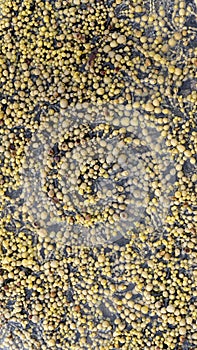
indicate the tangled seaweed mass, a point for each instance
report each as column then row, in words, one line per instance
column 98, row 174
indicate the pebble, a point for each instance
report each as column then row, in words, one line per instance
column 170, row 308
column 63, row 103
column 100, row 91
column 181, row 148
column 121, row 39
